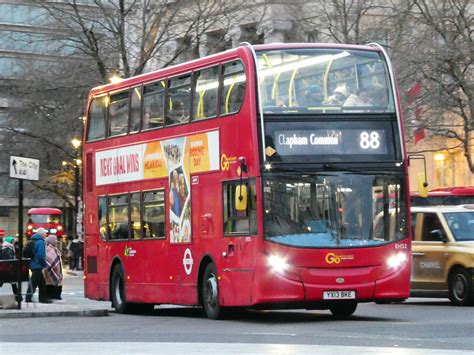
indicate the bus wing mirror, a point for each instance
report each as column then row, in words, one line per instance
column 241, row 197
column 422, row 185
column 420, row 177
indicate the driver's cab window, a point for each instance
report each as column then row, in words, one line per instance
column 431, row 222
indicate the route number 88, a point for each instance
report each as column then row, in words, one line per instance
column 369, row 140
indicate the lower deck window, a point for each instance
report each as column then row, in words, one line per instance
column 132, row 216
column 154, row 214
column 118, row 217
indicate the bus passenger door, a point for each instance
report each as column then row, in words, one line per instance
column 95, row 252
column 238, row 247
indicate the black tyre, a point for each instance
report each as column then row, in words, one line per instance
column 461, row 288
column 117, row 291
column 210, row 293
column 343, row 310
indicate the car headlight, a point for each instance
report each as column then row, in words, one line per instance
column 396, row 260
column 278, row 264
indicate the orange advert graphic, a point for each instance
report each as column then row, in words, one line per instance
column 198, row 150
column 153, row 162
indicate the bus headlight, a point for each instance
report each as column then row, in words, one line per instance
column 278, row 264
column 396, row 260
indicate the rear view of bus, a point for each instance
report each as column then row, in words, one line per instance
column 332, row 136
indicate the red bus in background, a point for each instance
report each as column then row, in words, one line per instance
column 44, row 217
column 445, row 196
column 245, row 179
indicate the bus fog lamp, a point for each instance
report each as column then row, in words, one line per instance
column 278, row 264
column 396, row 260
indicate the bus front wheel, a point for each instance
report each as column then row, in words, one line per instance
column 210, row 293
column 343, row 310
column 118, row 291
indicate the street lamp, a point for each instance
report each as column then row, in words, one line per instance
column 76, row 143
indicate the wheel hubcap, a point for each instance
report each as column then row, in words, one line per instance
column 210, row 292
column 460, row 284
column 118, row 294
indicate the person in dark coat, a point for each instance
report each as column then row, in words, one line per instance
column 37, row 264
column 8, row 253
column 75, row 249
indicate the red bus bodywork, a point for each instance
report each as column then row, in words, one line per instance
column 157, row 271
column 44, row 217
column 456, row 195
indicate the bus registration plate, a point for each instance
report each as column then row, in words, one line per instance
column 339, row 295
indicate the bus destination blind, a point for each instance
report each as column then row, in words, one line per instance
column 345, row 141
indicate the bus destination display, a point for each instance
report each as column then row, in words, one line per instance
column 330, row 141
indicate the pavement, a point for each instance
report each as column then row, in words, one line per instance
column 70, row 306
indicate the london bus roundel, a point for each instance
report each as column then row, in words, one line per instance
column 188, row 261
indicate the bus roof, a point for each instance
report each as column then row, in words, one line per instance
column 226, row 55
column 44, row 210
column 273, row 46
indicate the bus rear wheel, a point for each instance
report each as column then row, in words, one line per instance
column 210, row 293
column 461, row 289
column 117, row 291
column 343, row 310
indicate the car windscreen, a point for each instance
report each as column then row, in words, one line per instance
column 461, row 225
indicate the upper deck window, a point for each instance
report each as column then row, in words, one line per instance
column 205, row 93
column 324, row 80
column 233, row 88
column 135, row 109
column 154, row 105
column 118, row 113
column 178, row 99
column 96, row 118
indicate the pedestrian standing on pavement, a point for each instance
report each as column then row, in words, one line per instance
column 37, row 264
column 75, row 249
column 7, row 252
column 53, row 272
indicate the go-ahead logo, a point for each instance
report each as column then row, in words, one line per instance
column 226, row 161
column 332, row 258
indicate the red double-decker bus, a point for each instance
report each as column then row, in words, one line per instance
column 44, row 217
column 248, row 179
